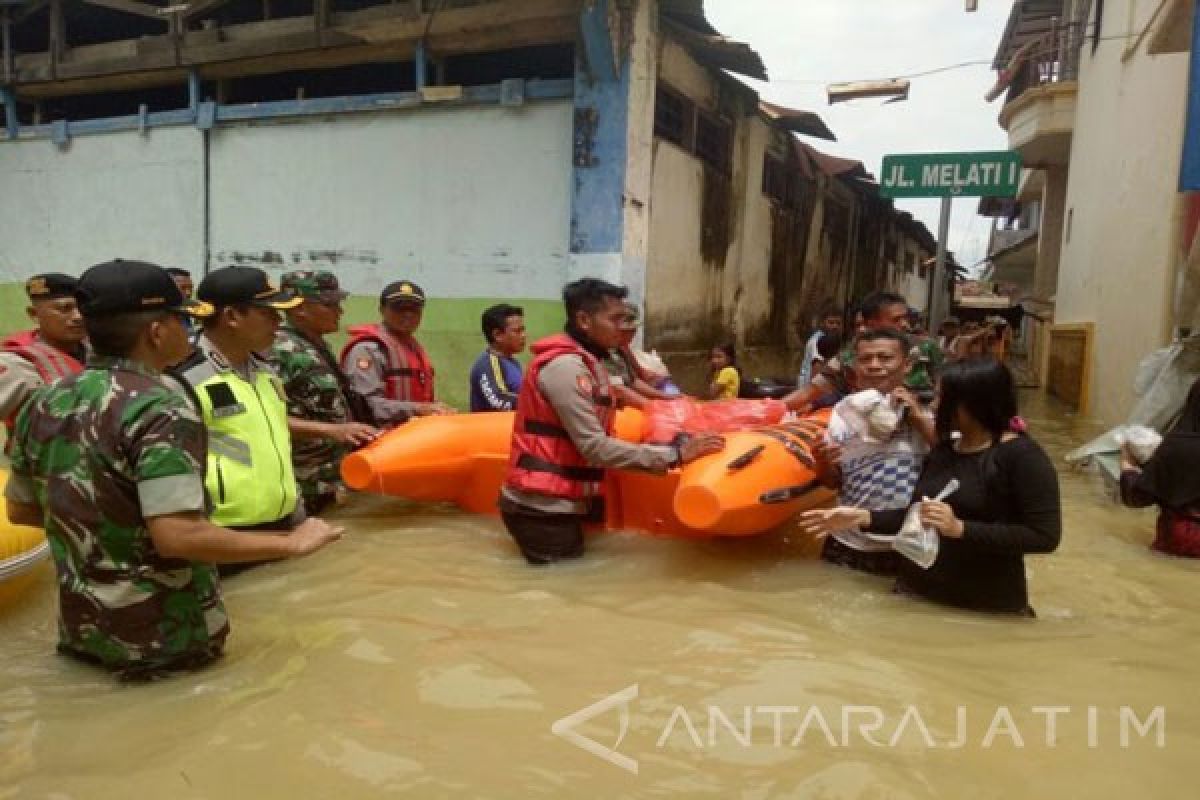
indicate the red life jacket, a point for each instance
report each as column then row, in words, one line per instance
column 51, row 363
column 544, row 460
column 409, row 373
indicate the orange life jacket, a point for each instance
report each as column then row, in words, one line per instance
column 544, row 460
column 409, row 372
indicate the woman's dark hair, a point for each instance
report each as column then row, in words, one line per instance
column 982, row 387
column 496, row 319
column 730, row 353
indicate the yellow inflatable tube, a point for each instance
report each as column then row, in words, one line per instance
column 22, row 551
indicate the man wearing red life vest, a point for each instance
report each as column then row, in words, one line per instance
column 385, row 363
column 562, row 436
column 54, row 349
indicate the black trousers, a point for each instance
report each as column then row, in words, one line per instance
column 544, row 538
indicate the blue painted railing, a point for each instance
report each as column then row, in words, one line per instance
column 207, row 114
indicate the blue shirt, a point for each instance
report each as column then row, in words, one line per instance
column 495, row 381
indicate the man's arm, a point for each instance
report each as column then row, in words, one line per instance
column 192, row 537
column 355, row 434
column 18, row 381
column 565, row 382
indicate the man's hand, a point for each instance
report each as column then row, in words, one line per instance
column 311, row 535
column 906, row 399
column 824, row 521
column 355, row 434
column 704, row 444
column 434, row 410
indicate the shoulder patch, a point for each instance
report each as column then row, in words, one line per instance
column 586, row 384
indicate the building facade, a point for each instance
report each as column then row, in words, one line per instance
column 1097, row 109
column 487, row 149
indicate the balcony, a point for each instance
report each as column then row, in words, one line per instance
column 1039, row 112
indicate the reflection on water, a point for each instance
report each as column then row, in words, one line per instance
column 420, row 654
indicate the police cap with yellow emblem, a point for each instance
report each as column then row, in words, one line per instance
column 50, row 286
column 402, row 293
column 235, row 286
column 124, row 287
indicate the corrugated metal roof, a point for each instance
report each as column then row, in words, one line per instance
column 714, row 50
column 795, row 120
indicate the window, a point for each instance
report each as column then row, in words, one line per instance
column 714, row 141
column 777, row 184
column 674, row 117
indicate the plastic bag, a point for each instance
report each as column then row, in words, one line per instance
column 663, row 420
column 870, row 414
column 1142, row 441
column 916, row 542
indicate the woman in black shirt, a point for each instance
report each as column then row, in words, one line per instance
column 1007, row 503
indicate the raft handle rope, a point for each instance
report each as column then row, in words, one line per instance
column 786, row 494
column 18, row 564
column 746, row 458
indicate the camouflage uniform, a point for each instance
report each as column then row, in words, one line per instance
column 100, row 452
column 314, row 392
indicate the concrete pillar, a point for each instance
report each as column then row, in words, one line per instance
column 1053, row 228
column 614, row 136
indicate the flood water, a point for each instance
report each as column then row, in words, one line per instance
column 420, row 656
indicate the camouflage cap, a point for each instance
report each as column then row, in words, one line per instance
column 319, row 285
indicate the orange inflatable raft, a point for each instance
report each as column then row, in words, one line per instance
column 762, row 478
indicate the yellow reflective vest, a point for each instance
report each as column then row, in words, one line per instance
column 249, row 474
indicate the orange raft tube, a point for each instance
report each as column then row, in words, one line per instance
column 762, row 478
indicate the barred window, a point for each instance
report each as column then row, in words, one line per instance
column 673, row 117
column 714, row 141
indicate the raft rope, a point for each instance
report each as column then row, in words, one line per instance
column 23, row 562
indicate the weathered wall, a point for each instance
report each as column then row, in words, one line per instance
column 123, row 195
column 1117, row 261
column 467, row 202
column 471, row 203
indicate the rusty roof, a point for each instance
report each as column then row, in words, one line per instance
column 796, row 120
column 685, row 20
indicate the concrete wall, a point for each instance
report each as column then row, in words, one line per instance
column 118, row 195
column 467, row 202
column 472, row 203
column 1118, row 250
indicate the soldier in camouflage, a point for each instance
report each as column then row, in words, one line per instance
column 326, row 418
column 111, row 463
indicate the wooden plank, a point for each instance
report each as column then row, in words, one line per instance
column 132, row 7
column 381, row 33
column 201, row 7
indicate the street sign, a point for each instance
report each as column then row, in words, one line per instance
column 991, row 174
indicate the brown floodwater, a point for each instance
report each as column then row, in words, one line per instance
column 420, row 656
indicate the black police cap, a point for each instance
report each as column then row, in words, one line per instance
column 231, row 286
column 121, row 287
column 50, row 285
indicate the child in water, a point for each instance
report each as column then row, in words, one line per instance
column 724, row 380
